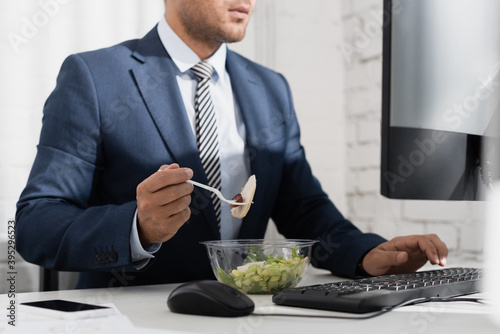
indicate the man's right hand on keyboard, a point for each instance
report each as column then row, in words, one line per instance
column 405, row 254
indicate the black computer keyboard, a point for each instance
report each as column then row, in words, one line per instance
column 376, row 293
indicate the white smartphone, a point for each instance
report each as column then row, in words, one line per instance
column 64, row 309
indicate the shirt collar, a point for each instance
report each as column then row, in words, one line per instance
column 185, row 58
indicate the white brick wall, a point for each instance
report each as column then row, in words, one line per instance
column 363, row 156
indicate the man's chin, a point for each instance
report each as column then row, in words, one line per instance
column 234, row 37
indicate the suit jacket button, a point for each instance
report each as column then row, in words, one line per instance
column 113, row 256
column 97, row 259
column 105, row 257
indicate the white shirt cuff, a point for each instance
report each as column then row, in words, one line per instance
column 139, row 254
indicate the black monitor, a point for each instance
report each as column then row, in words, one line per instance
column 440, row 98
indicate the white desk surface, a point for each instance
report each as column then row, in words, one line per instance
column 146, row 307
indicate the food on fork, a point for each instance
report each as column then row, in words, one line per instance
column 238, row 199
column 246, row 196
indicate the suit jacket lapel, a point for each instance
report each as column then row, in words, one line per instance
column 249, row 92
column 156, row 79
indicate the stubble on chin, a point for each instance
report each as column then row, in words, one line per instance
column 217, row 34
column 216, row 31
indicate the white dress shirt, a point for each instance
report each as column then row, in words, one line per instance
column 235, row 168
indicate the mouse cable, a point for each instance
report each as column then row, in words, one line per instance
column 382, row 311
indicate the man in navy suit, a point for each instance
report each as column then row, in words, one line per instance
column 108, row 197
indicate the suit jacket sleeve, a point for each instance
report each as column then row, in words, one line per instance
column 57, row 225
column 303, row 210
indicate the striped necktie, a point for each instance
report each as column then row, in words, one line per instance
column 206, row 131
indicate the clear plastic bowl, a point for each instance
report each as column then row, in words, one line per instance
column 259, row 266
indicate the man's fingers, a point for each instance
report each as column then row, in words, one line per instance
column 177, row 206
column 170, row 176
column 441, row 249
column 175, row 222
column 434, row 249
column 171, row 166
column 401, row 257
column 165, row 231
column 160, row 223
column 379, row 261
column 159, row 201
column 393, row 258
column 427, row 247
column 167, row 175
column 169, row 194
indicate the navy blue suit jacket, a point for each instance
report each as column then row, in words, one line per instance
column 115, row 116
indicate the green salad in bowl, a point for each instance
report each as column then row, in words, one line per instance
column 258, row 266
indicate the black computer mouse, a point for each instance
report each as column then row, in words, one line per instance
column 210, row 298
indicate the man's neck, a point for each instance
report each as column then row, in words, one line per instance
column 203, row 48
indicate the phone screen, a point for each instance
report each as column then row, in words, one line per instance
column 64, row 305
